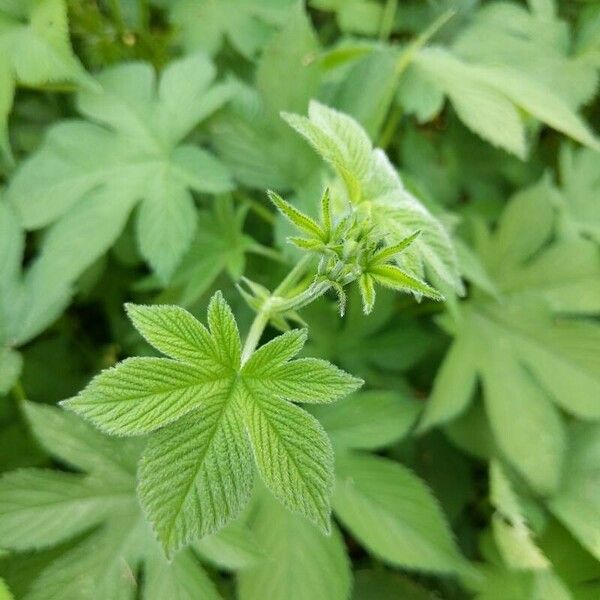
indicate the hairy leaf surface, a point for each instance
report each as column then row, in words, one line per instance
column 212, row 414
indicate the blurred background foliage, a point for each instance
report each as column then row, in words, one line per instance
column 488, row 111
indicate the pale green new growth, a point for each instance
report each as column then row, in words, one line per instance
column 213, row 413
column 372, row 184
column 353, row 249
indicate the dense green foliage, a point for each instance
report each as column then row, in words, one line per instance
column 299, row 300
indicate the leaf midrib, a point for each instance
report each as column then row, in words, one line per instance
column 226, row 402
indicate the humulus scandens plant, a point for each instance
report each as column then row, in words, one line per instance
column 212, row 410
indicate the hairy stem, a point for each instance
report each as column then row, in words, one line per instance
column 255, row 332
column 293, row 276
column 262, row 317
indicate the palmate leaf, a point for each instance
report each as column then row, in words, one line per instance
column 507, row 64
column 213, row 414
column 246, row 24
column 42, row 508
column 35, row 51
column 529, row 360
column 87, row 177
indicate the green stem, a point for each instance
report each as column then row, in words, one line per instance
column 262, row 211
column 144, row 14
column 293, row 276
column 262, row 317
column 305, row 297
column 254, row 334
column 387, row 19
column 18, row 392
column 387, row 135
column 117, row 13
column 267, row 252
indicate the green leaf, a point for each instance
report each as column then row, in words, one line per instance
column 393, row 514
column 308, row 380
column 579, row 187
column 293, row 49
column 176, row 333
column 220, row 244
column 339, row 140
column 498, row 91
column 505, row 64
column 368, row 420
column 11, row 363
column 195, row 474
column 165, row 231
column 511, row 532
column 40, row 508
column 353, row 16
column 527, row 356
column 74, row 443
column 293, row 455
column 29, row 300
column 535, row 442
column 95, row 173
column 576, row 504
column 395, row 278
column 246, row 25
column 34, row 51
column 179, row 579
column 140, row 395
column 301, row 221
column 454, row 383
column 300, row 563
column 498, row 583
column 234, row 547
column 533, row 41
column 388, row 252
column 481, row 107
column 367, row 292
column 369, row 178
